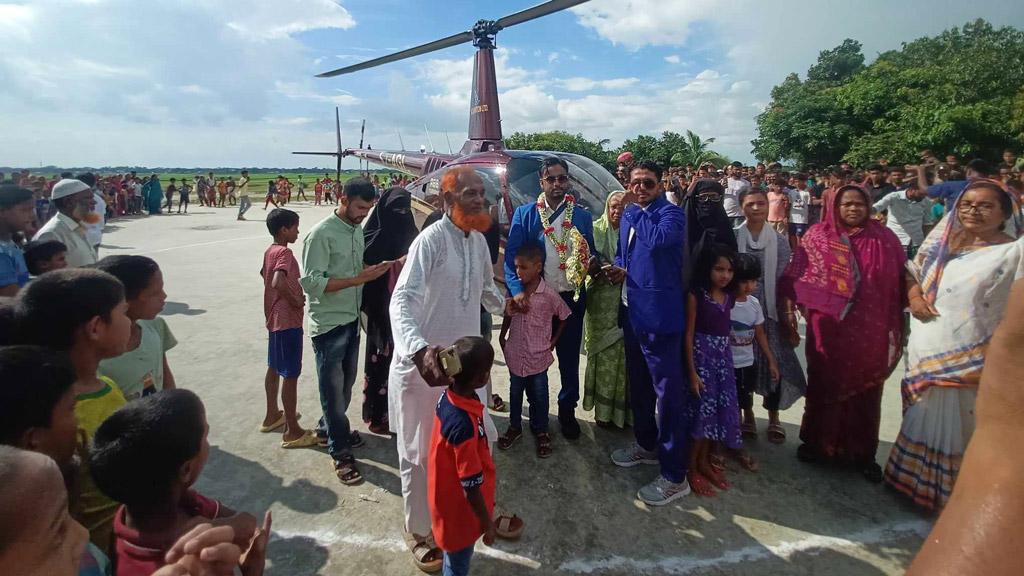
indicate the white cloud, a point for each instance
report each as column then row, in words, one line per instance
column 283, row 18
column 580, row 84
column 552, row 57
column 673, row 59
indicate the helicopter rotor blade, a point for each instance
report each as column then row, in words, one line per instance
column 337, row 128
column 537, row 11
column 453, row 40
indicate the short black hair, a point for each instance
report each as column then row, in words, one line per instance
column 88, row 178
column 706, row 261
column 137, row 451
column 876, row 166
column 281, row 218
column 52, row 307
column 134, row 272
column 750, row 191
column 35, row 379
column 983, row 168
column 476, row 356
column 531, row 251
column 8, row 322
column 551, row 161
column 360, row 188
column 649, row 165
column 11, row 196
column 746, row 267
column 39, row 251
column 64, row 175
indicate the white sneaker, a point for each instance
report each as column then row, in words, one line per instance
column 633, row 456
column 662, row 491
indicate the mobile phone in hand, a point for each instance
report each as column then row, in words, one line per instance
column 450, row 362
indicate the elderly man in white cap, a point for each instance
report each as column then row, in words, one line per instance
column 74, row 202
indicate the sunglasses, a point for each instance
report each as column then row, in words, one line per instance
column 561, row 179
column 646, row 183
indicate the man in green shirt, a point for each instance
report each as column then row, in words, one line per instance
column 333, row 278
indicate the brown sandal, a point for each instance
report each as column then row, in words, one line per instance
column 543, row 444
column 507, row 526
column 776, row 433
column 510, row 437
column 347, row 472
column 425, row 553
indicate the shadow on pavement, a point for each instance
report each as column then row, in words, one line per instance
column 172, row 308
column 295, row 556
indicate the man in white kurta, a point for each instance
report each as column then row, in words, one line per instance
column 446, row 277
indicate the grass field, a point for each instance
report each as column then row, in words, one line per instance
column 258, row 182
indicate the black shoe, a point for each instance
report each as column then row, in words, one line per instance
column 570, row 427
column 356, row 440
column 806, row 454
column 872, row 473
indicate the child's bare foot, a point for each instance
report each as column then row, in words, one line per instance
column 700, row 485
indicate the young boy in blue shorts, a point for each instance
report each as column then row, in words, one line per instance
column 283, row 302
column 460, row 479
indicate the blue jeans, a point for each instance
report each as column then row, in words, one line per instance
column 536, row 388
column 243, row 205
column 337, row 357
column 568, row 352
column 457, row 563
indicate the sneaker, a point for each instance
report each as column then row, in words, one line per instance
column 662, row 491
column 633, row 456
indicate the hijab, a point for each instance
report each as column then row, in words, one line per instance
column 391, row 227
column 606, row 237
column 706, row 221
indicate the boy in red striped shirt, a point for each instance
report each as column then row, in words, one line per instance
column 460, row 479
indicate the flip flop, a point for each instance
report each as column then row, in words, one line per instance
column 700, row 485
column 776, row 434
column 425, row 553
column 507, row 526
column 307, row 440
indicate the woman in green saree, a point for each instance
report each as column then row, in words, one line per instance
column 605, row 389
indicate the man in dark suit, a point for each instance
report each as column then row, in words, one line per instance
column 564, row 217
column 650, row 262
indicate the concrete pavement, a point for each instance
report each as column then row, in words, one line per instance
column 580, row 510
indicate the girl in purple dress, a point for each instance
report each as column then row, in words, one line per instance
column 715, row 412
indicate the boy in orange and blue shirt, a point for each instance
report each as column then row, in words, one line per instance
column 461, row 478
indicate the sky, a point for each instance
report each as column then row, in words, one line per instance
column 197, row 83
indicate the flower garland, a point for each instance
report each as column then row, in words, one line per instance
column 571, row 247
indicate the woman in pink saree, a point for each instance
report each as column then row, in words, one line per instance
column 847, row 279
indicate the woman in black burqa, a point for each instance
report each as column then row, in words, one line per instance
column 389, row 232
column 706, row 220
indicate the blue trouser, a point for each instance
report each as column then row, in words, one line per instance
column 568, row 352
column 536, row 388
column 243, row 205
column 457, row 563
column 337, row 357
column 654, row 369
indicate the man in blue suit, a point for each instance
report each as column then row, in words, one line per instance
column 554, row 205
column 650, row 261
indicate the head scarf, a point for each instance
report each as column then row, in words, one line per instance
column 606, row 237
column 829, row 278
column 707, row 222
column 940, row 245
column 391, row 227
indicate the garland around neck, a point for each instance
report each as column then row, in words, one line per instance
column 571, row 247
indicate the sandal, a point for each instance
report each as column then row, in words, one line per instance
column 510, row 437
column 347, row 472
column 497, row 404
column 425, row 553
column 749, row 430
column 543, row 444
column 278, row 423
column 507, row 526
column 700, row 485
column 872, row 473
column 307, row 440
column 382, row 428
column 806, row 454
column 745, row 460
column 718, row 479
column 717, row 463
column 776, row 433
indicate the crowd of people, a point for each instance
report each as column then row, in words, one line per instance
column 686, row 295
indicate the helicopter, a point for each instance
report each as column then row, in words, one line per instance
column 510, row 176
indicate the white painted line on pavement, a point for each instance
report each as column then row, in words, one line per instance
column 688, row 564
column 330, row 537
column 202, row 244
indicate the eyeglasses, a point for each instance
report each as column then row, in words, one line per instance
column 561, row 179
column 709, row 196
column 646, row 183
column 980, row 209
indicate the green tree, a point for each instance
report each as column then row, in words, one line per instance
column 958, row 92
column 559, row 141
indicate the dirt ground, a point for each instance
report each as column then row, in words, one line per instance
column 581, row 513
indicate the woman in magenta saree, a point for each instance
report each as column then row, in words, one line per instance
column 847, row 279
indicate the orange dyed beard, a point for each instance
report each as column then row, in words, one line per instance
column 481, row 221
column 92, row 218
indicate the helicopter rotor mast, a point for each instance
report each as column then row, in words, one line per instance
column 484, row 113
